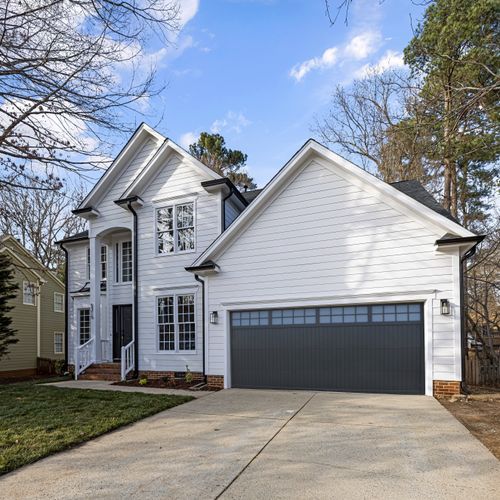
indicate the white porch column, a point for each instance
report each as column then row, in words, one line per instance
column 95, row 295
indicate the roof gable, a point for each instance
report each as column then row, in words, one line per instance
column 152, row 168
column 313, row 150
column 14, row 248
column 133, row 145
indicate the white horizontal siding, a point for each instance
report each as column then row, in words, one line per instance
column 324, row 237
column 159, row 275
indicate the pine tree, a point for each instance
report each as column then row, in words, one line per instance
column 455, row 55
column 212, row 151
column 8, row 291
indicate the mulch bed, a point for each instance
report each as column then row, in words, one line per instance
column 480, row 413
column 169, row 384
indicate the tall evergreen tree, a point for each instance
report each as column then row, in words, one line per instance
column 211, row 150
column 455, row 54
column 8, row 291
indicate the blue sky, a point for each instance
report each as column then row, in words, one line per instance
column 259, row 72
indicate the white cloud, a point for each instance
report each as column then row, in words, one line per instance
column 187, row 10
column 231, row 122
column 390, row 60
column 326, row 60
column 185, row 140
column 361, row 46
column 358, row 47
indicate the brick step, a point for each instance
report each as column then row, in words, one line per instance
column 106, row 366
column 103, row 370
column 100, row 376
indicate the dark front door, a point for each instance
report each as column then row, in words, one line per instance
column 365, row 348
column 122, row 329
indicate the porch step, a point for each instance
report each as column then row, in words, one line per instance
column 102, row 371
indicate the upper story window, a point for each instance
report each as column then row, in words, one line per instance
column 123, row 260
column 29, row 293
column 58, row 302
column 175, row 229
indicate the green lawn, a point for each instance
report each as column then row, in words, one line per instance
column 37, row 420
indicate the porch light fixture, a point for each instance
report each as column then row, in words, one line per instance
column 214, row 317
column 445, row 307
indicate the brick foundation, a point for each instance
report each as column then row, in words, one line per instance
column 445, row 388
column 215, row 381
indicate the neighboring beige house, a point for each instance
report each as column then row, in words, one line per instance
column 38, row 314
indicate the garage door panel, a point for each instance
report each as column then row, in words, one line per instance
column 367, row 357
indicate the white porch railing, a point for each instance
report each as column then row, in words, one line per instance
column 84, row 357
column 128, row 359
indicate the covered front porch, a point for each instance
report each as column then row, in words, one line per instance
column 104, row 310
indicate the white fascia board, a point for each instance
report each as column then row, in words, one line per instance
column 167, row 149
column 313, row 150
column 128, row 150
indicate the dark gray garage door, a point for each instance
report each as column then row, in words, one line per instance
column 368, row 348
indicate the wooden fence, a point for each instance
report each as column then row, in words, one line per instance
column 481, row 372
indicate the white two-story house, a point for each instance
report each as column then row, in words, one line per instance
column 326, row 279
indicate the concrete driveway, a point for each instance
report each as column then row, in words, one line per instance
column 274, row 444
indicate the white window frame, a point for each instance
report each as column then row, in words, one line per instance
column 79, row 325
column 176, row 349
column 119, row 262
column 62, row 343
column 33, row 293
column 56, row 294
column 174, row 206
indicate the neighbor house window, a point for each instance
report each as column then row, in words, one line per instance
column 58, row 302
column 104, row 262
column 84, row 325
column 123, row 259
column 175, row 228
column 58, row 343
column 176, row 323
column 29, row 293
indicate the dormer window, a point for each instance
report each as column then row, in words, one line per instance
column 175, row 229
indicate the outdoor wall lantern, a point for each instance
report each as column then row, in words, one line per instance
column 445, row 306
column 214, row 317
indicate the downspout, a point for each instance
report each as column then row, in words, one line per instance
column 66, row 296
column 463, row 333
column 203, row 321
column 38, row 320
column 135, row 289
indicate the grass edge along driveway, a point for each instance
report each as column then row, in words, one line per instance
column 37, row 420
